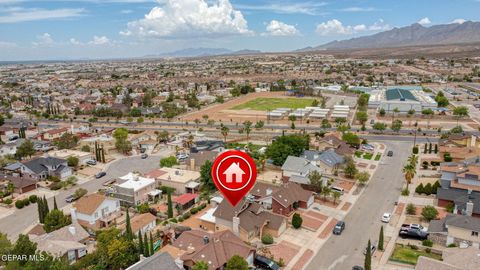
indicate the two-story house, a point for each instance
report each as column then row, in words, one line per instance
column 135, row 190
column 455, row 229
column 96, row 211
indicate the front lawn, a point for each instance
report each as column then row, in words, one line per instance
column 378, row 157
column 269, row 104
column 406, row 254
column 358, row 154
column 368, row 156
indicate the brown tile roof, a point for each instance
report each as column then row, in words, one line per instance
column 19, row 182
column 260, row 189
column 290, row 193
column 140, row 221
column 155, row 173
column 89, row 203
column 220, row 248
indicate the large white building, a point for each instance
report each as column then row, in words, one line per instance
column 401, row 98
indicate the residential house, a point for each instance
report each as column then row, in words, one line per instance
column 96, row 211
column 452, row 259
column 248, row 220
column 142, row 223
column 333, row 141
column 153, row 262
column 186, row 200
column 298, row 169
column 213, row 145
column 455, row 229
column 10, row 148
column 68, row 243
column 290, row 197
column 460, row 186
column 214, row 248
column 22, row 184
column 196, row 160
column 53, row 134
column 135, row 190
column 43, row 167
column 83, row 157
column 146, row 140
column 183, row 181
column 106, row 141
column 328, row 161
column 459, row 146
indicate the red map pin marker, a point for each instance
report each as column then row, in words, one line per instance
column 234, row 173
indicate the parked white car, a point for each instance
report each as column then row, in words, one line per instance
column 386, row 217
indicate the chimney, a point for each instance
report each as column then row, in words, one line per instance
column 469, row 208
column 473, row 141
column 192, row 164
column 206, row 240
column 236, row 226
column 73, row 214
column 268, row 191
column 72, row 230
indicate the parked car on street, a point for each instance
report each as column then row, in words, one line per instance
column 144, row 156
column 372, row 249
column 339, row 227
column 265, row 263
column 91, row 162
column 390, row 153
column 100, row 175
column 70, row 198
column 182, row 156
column 386, row 217
column 109, row 182
column 356, row 267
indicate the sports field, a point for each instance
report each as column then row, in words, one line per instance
column 269, row 104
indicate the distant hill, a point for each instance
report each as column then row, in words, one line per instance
column 202, row 52
column 413, row 35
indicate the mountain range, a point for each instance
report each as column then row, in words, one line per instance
column 413, row 35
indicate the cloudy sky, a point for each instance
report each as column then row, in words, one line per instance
column 93, row 29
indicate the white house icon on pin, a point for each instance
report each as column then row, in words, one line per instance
column 234, row 170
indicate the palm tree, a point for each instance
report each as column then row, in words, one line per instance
column 326, row 192
column 396, row 110
column 247, row 127
column 409, row 173
column 224, row 130
column 413, row 160
column 187, row 143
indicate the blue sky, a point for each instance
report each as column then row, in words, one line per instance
column 78, row 29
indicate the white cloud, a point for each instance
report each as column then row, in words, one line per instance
column 16, row 14
column 358, row 9
column 459, row 21
column 189, row 18
column 44, row 39
column 336, row 27
column 308, row 8
column 103, row 40
column 74, row 41
column 277, row 28
column 425, row 21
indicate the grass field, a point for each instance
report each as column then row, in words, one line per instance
column 405, row 254
column 269, row 104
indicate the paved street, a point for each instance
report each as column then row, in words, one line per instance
column 22, row 219
column 363, row 221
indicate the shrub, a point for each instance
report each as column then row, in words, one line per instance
column 7, row 201
column 281, row 262
column 425, row 165
column 411, row 210
column 427, row 243
column 415, row 150
column 165, row 222
column 33, row 198
column 186, row 215
column 19, row 204
column 193, row 211
column 428, row 250
column 26, row 202
column 405, row 192
column 452, row 245
column 297, row 221
column 267, row 239
column 173, row 220
column 413, row 247
column 427, row 189
column 429, row 212
column 419, row 189
column 435, row 186
column 180, row 219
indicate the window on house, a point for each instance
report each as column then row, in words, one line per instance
column 474, row 233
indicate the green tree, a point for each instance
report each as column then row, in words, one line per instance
column 382, row 112
column 66, row 141
column 55, row 220
column 379, row 126
column 170, row 205
column 429, row 212
column 284, row 146
column 224, row 130
column 86, row 148
column 72, row 161
column 315, row 180
column 5, row 245
column 55, row 206
column 351, row 138
column 336, row 195
column 236, row 263
column 151, row 244
column 146, row 248
column 206, row 176
column 121, row 253
column 326, row 191
column 247, row 127
column 140, row 242
column 350, row 168
column 362, row 177
column 368, row 257
column 25, row 149
column 259, row 124
column 24, row 247
column 128, row 226
column 411, row 209
column 162, row 136
column 201, row 265
column 362, row 117
column 409, row 172
column 460, row 112
column 297, row 221
column 396, row 125
column 380, row 239
column 168, row 161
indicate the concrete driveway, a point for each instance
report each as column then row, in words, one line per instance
column 363, row 221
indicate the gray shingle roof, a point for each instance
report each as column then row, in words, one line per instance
column 39, row 165
column 299, row 165
column 159, row 261
column 460, row 197
column 331, row 158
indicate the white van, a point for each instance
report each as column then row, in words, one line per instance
column 338, row 189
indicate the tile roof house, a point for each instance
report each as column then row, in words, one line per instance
column 297, row 169
column 22, row 184
column 162, row 259
column 68, row 242
column 214, row 248
column 289, row 197
column 42, row 167
column 195, row 161
column 144, row 223
column 248, row 220
column 96, row 211
column 455, row 229
column 333, row 141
